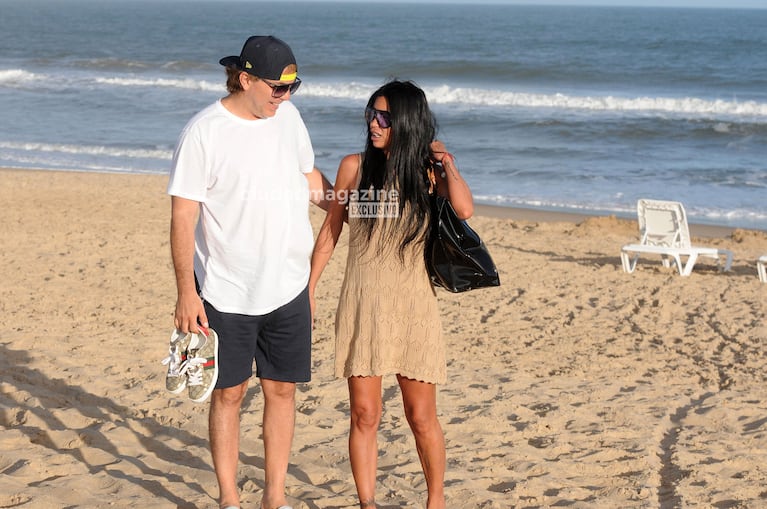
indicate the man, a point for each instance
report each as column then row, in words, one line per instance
column 243, row 173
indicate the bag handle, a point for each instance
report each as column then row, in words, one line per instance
column 430, row 171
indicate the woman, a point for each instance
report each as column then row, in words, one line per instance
column 387, row 320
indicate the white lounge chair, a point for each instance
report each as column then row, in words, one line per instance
column 664, row 231
column 760, row 263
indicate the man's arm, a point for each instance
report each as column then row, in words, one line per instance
column 320, row 189
column 189, row 308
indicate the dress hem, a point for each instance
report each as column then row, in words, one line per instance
column 404, row 373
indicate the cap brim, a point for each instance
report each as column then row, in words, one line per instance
column 233, row 60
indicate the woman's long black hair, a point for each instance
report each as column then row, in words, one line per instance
column 413, row 128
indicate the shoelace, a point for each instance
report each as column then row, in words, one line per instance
column 176, row 367
column 183, row 367
column 193, row 369
column 173, row 359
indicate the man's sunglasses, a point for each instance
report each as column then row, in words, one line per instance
column 382, row 117
column 280, row 90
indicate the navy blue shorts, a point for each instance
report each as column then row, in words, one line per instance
column 280, row 342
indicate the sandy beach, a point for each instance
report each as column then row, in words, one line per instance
column 572, row 384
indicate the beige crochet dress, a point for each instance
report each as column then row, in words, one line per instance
column 387, row 320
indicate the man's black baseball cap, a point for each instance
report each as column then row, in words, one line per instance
column 264, row 56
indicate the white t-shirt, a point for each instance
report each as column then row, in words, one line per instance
column 253, row 240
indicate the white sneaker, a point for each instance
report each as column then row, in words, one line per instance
column 175, row 379
column 202, row 365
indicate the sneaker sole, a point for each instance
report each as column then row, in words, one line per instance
column 212, row 336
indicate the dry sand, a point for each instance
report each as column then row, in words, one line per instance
column 573, row 384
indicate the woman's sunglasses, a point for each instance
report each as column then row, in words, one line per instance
column 382, row 117
column 280, row 90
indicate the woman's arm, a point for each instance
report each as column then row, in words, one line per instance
column 451, row 184
column 346, row 181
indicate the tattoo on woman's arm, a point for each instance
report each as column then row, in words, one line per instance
column 447, row 164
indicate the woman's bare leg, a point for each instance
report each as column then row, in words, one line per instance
column 420, row 401
column 366, row 408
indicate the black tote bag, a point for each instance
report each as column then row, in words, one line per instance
column 456, row 258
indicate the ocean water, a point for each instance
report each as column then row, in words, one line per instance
column 581, row 109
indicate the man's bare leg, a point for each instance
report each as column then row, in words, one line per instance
column 224, row 430
column 278, row 425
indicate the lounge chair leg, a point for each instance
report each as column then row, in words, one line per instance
column 761, row 270
column 629, row 262
column 728, row 260
column 689, row 265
